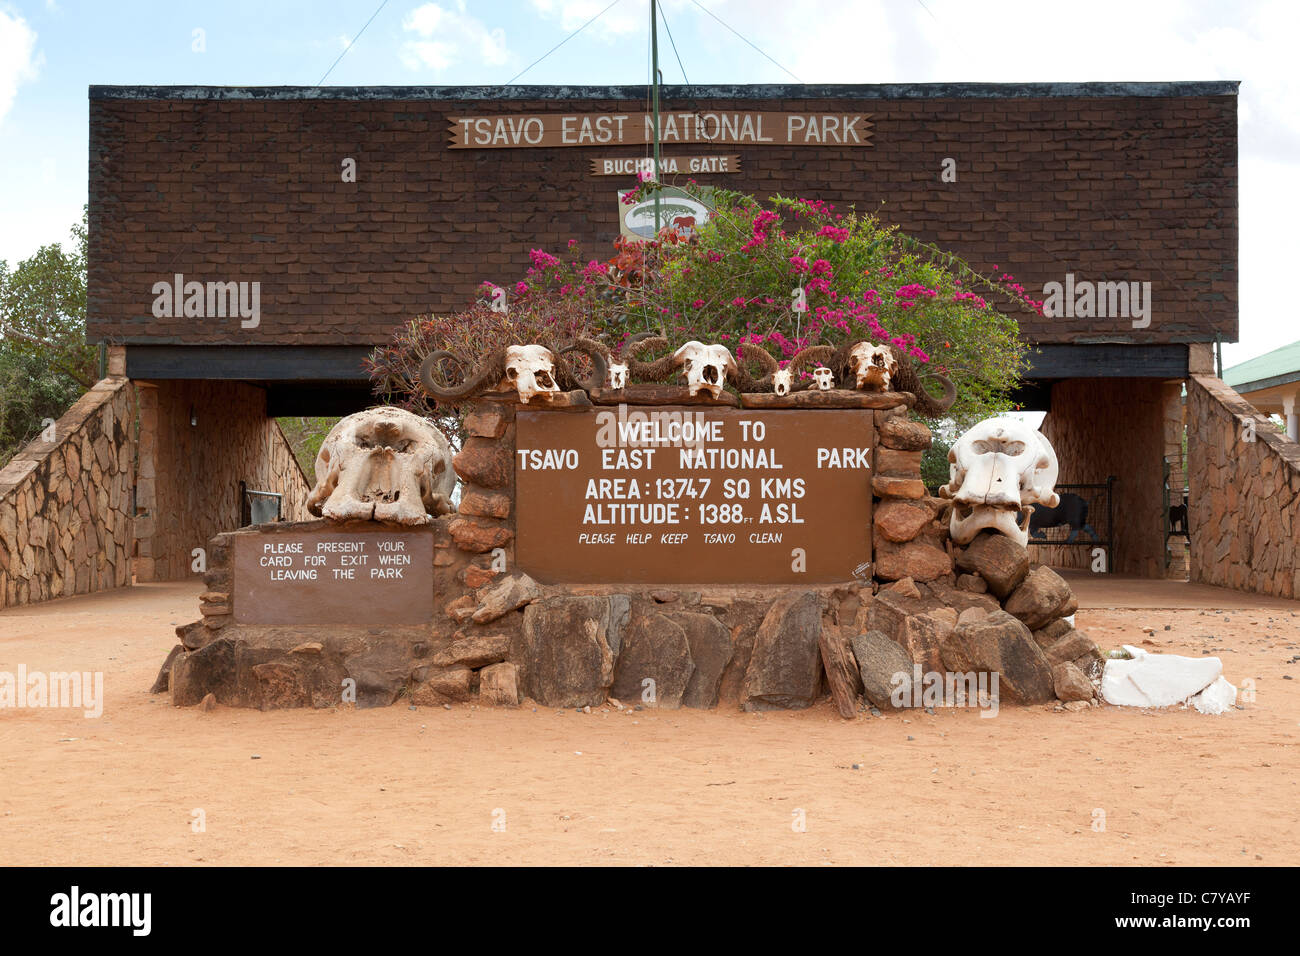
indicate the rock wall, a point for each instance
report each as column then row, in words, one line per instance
column 1244, row 494
column 66, row 505
column 190, row 475
column 498, row 637
column 1117, row 429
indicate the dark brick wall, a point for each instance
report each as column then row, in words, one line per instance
column 247, row 187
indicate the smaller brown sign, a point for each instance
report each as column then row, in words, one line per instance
column 380, row 577
column 668, row 165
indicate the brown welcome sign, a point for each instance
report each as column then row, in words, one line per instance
column 637, row 129
column 693, row 495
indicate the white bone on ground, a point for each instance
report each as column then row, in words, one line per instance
column 1156, row 680
column 1215, row 699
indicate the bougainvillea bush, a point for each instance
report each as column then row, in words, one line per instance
column 781, row 276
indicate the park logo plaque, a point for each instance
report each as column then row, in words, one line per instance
column 694, row 495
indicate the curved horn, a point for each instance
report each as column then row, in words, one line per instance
column 471, row 386
column 652, row 371
column 906, row 379
column 927, row 404
column 630, row 345
column 599, row 355
column 820, row 354
column 770, row 365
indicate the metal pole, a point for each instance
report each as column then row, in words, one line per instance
column 654, row 86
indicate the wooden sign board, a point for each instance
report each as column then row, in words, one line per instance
column 668, row 165
column 693, row 495
column 380, row 577
column 637, row 129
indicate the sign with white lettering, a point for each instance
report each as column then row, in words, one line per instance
column 376, row 577
column 694, row 495
column 668, row 165
column 636, row 129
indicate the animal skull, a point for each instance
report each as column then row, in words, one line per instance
column 996, row 469
column 782, row 379
column 824, row 378
column 706, row 367
column 872, row 365
column 530, row 370
column 384, row 464
column 617, row 375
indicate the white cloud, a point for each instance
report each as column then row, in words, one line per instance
column 443, row 37
column 19, row 61
column 625, row 19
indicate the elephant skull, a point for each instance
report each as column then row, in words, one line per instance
column 530, row 370
column 384, row 464
column 706, row 367
column 872, row 366
column 996, row 469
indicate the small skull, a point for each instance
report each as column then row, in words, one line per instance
column 617, row 375
column 530, row 370
column 824, row 378
column 384, row 464
column 706, row 367
column 782, row 380
column 873, row 366
column 997, row 469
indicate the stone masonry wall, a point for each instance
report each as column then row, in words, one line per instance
column 498, row 637
column 1244, row 494
column 1116, row 429
column 66, row 504
column 190, row 474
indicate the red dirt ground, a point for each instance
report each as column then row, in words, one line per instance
column 395, row 785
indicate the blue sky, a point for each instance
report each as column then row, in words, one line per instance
column 52, row 50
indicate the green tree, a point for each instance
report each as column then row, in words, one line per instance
column 305, row 436
column 45, row 363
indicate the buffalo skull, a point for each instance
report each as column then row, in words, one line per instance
column 872, row 366
column 530, row 370
column 706, row 367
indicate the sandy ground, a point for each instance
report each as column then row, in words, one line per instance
column 426, row 786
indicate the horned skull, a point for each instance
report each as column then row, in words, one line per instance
column 384, row 464
column 530, row 370
column 706, row 367
column 996, row 469
column 782, row 379
column 872, row 366
column 824, row 378
column 617, row 375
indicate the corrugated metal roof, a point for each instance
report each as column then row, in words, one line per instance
column 1273, row 368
